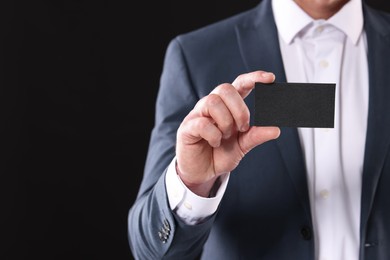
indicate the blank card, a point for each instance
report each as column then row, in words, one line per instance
column 295, row 104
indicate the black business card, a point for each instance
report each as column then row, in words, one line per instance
column 295, row 104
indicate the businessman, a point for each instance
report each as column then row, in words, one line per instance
column 217, row 187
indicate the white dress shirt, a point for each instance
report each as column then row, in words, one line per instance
column 331, row 51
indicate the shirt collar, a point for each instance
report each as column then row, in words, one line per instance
column 290, row 19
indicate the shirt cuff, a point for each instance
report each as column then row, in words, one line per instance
column 190, row 207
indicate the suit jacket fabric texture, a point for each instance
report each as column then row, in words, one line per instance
column 265, row 212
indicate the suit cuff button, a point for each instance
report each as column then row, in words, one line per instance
column 164, row 232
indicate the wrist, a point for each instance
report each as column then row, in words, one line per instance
column 204, row 189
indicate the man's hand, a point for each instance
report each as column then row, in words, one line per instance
column 215, row 135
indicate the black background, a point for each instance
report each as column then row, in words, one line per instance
column 78, row 85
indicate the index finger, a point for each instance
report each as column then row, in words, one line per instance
column 244, row 83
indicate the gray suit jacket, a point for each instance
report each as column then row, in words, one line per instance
column 265, row 212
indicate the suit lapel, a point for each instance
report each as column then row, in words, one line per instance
column 259, row 46
column 378, row 130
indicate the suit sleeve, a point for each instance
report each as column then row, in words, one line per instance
column 154, row 232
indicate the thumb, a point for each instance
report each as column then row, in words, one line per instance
column 257, row 135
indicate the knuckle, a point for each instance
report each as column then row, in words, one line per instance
column 213, row 100
column 240, row 77
column 202, row 123
column 226, row 89
column 226, row 124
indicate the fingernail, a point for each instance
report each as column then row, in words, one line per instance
column 267, row 75
column 245, row 127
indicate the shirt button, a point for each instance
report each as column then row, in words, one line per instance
column 324, row 64
column 320, row 29
column 324, row 194
column 306, row 233
column 187, row 205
